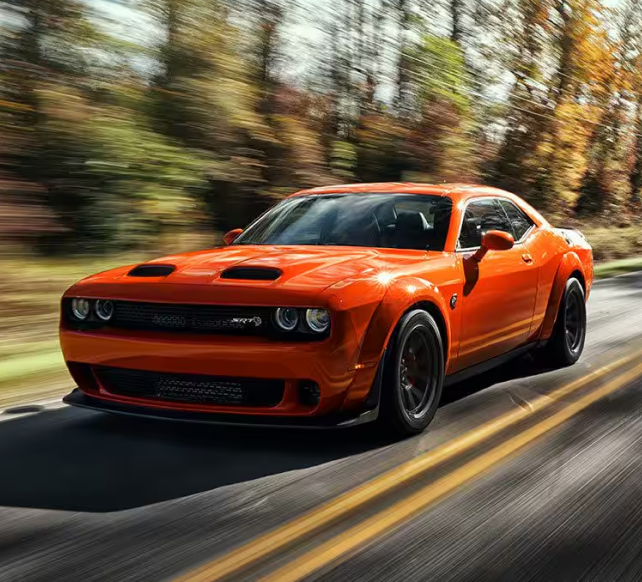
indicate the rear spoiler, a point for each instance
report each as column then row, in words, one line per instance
column 573, row 229
column 572, row 235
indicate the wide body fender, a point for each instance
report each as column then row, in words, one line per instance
column 570, row 263
column 401, row 296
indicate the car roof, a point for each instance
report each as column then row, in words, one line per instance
column 458, row 192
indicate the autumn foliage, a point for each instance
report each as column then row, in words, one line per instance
column 208, row 111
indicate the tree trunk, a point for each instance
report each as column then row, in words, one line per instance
column 456, row 14
column 403, row 72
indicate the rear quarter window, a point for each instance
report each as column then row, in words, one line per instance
column 521, row 223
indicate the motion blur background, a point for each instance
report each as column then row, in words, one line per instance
column 135, row 128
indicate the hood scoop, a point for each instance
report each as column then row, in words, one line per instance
column 252, row 273
column 151, row 271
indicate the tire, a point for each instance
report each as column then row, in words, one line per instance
column 566, row 343
column 413, row 373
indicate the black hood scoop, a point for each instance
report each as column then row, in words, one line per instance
column 251, row 273
column 151, row 271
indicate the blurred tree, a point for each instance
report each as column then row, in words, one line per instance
column 43, row 53
column 612, row 145
column 584, row 64
column 91, row 162
column 516, row 167
column 635, row 177
column 440, row 144
column 206, row 97
column 404, row 18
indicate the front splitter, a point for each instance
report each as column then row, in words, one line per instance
column 81, row 400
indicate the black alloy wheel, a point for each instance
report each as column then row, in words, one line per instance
column 413, row 375
column 574, row 321
column 566, row 344
column 417, row 367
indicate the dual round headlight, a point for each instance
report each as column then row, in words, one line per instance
column 104, row 309
column 316, row 320
column 81, row 308
column 287, row 318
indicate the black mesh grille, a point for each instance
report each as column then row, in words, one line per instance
column 191, row 388
column 194, row 318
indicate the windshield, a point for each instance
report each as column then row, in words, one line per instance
column 405, row 221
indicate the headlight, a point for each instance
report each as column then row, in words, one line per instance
column 104, row 309
column 80, row 308
column 287, row 318
column 318, row 320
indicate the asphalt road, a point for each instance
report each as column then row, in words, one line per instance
column 89, row 497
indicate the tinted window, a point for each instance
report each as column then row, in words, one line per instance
column 519, row 221
column 480, row 217
column 414, row 221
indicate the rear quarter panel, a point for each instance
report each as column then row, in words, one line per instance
column 558, row 255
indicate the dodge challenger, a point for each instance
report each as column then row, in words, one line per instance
column 337, row 306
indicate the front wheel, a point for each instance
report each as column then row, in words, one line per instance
column 413, row 375
column 569, row 334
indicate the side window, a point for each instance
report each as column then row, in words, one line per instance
column 520, row 222
column 481, row 216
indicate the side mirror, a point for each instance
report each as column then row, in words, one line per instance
column 231, row 236
column 494, row 240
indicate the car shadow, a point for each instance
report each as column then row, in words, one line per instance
column 75, row 460
column 525, row 366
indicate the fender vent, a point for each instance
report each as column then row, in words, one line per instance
column 151, row 271
column 251, row 274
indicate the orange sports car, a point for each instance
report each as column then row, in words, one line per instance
column 337, row 306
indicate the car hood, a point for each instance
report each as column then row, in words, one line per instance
column 313, row 268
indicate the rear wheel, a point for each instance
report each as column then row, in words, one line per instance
column 413, row 375
column 569, row 334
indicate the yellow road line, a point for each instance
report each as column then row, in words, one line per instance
column 360, row 496
column 337, row 549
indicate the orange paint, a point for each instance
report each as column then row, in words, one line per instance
column 486, row 307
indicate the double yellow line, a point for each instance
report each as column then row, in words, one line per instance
column 357, row 498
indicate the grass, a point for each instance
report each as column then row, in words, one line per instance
column 31, row 365
column 612, row 268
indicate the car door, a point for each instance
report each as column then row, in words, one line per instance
column 534, row 250
column 499, row 291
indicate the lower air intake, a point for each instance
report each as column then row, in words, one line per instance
column 191, row 388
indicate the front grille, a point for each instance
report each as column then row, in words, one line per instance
column 191, row 388
column 191, row 318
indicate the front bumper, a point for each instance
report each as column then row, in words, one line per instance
column 331, row 364
column 337, row 420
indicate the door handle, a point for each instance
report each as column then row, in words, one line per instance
column 527, row 258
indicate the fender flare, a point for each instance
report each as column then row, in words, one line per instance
column 570, row 263
column 399, row 298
